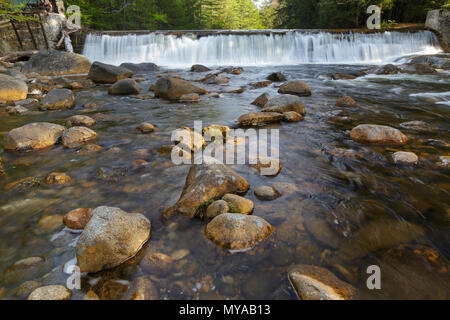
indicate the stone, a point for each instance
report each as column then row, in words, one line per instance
column 55, row 63
column 292, row 116
column 140, row 67
column 54, row 292
column 238, row 231
column 157, row 263
column 296, row 87
column 58, row 99
column 199, row 68
column 50, row 223
column 316, row 283
column 372, row 133
column 216, row 130
column 80, row 120
column 346, row 101
column 416, row 68
column 266, row 166
column 146, row 127
column 206, row 182
column 438, row 20
column 405, row 157
column 285, row 188
column 125, row 87
column 106, row 73
column 233, row 90
column 58, row 178
column 238, row 204
column 276, row 77
column 113, row 289
column 74, row 136
column 33, row 136
column 25, row 269
column 189, row 138
column 173, row 88
column 437, row 61
column 77, row 219
column 142, row 288
column 344, row 76
column 12, row 89
column 261, row 100
column 383, row 70
column 16, row 110
column 24, row 290
column 266, row 193
column 111, row 237
column 444, row 161
column 417, row 125
column 2, row 169
column 259, row 119
column 261, row 84
column 217, row 208
column 216, row 79
column 190, row 97
column 320, row 229
column 285, row 103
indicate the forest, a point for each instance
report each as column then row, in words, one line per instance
column 246, row 14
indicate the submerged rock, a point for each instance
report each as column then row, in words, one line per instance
column 111, row 237
column 25, row 269
column 346, row 101
column 266, row 193
column 16, row 110
column 276, row 77
column 285, row 103
column 58, row 178
column 261, row 100
column 405, row 157
column 261, row 84
column 74, row 136
column 259, row 119
column 50, row 223
column 55, row 63
column 157, row 263
column 416, row 68
column 58, row 99
column 372, row 133
column 54, row 292
column 173, row 88
column 33, row 136
column 146, row 127
column 124, row 87
column 12, row 89
column 142, row 288
column 417, row 125
column 106, row 73
column 296, row 87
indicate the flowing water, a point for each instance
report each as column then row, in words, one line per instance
column 347, row 214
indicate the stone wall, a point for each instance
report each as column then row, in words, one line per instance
column 439, row 21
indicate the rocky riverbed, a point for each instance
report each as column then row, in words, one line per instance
column 86, row 178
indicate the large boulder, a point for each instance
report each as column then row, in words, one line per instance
column 140, row 67
column 295, row 87
column 12, row 89
column 54, row 63
column 238, row 231
column 33, row 136
column 285, row 103
column 174, row 88
column 204, row 183
column 439, row 21
column 111, row 237
column 124, row 87
column 259, row 119
column 58, row 99
column 372, row 133
column 106, row 73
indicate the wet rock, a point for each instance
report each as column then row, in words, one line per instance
column 2, row 169
column 77, row 219
column 371, row 133
column 233, row 90
column 346, row 101
column 415, row 68
column 24, row 290
column 125, row 87
column 233, row 70
column 16, row 110
column 436, row 61
column 261, row 100
column 266, row 193
column 296, row 87
column 292, row 116
column 261, row 84
column 25, row 269
column 276, row 77
column 80, row 120
column 91, row 295
column 344, row 76
column 204, row 183
column 346, row 153
column 238, row 231
column 50, row 223
column 316, row 283
column 285, row 103
column 383, row 70
column 12, row 89
column 417, row 125
column 259, row 119
column 91, row 106
column 238, row 204
column 142, row 288
column 74, row 136
column 54, row 292
column 106, row 73
column 405, row 157
column 58, row 99
column 285, row 188
column 114, row 289
column 199, row 68
column 180, row 254
column 216, row 79
column 140, row 67
column 111, row 237
column 190, row 97
column 217, row 208
column 146, row 127
column 157, row 263
column 444, row 161
column 172, row 88
column 53, row 63
column 188, row 139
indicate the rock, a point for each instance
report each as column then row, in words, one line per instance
column 16, row 110
column 261, row 100
column 405, row 157
column 316, row 283
column 180, row 254
column 74, row 136
column 259, row 119
column 113, row 289
column 238, row 204
column 199, row 68
column 173, row 88
column 77, row 219
column 233, row 90
column 238, row 231
column 261, row 84
column 233, row 70
column 58, row 178
column 140, row 67
column 54, row 63
column 146, row 127
column 106, row 73
column 438, row 20
column 111, row 237
column 285, row 103
column 157, row 263
column 25, row 269
column 58, row 99
column 344, row 76
column 216, row 79
column 24, row 290
column 204, row 183
column 296, row 87
column 444, row 161
column 15, row 74
column 276, row 77
column 91, row 295
column 438, row 61
column 346, row 101
column 191, row 139
column 12, row 89
column 346, row 153
column 371, row 133
column 80, row 120
column 142, row 288
column 50, row 223
column 124, row 87
column 386, row 69
column 216, row 130
column 217, row 208
column 55, row 292
column 190, row 97
column 285, row 188
column 292, row 116
column 33, row 136
column 321, row 231
column 416, row 68
column 2, row 170
column 266, row 193
column 417, row 125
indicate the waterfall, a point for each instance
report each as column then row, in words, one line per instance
column 258, row 49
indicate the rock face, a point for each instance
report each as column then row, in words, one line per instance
column 259, row 119
column 439, row 21
column 261, row 100
column 106, row 73
column 74, row 136
column 204, row 183
column 199, row 68
column 285, row 103
column 296, row 87
column 54, row 63
column 55, row 292
column 238, row 231
column 12, row 89
column 173, row 88
column 371, row 133
column 33, row 136
column 58, row 99
column 140, row 67
column 111, row 237
column 316, row 283
column 125, row 86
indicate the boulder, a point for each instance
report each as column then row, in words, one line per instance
column 261, row 84
column 124, row 87
column 80, row 120
column 238, row 231
column 206, row 182
column 54, row 292
column 173, row 88
column 261, row 100
column 77, row 219
column 58, row 99
column 238, row 204
column 372, row 133
column 285, row 103
column 346, row 101
column 292, row 116
column 55, row 63
column 216, row 79
column 106, row 73
column 276, row 77
column 405, row 157
column 217, row 208
column 74, row 136
column 259, row 119
column 140, row 67
column 111, row 237
column 33, row 136
column 266, row 193
column 296, row 87
column 199, row 68
column 439, row 21
column 12, row 89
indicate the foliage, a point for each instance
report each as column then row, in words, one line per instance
column 13, row 12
